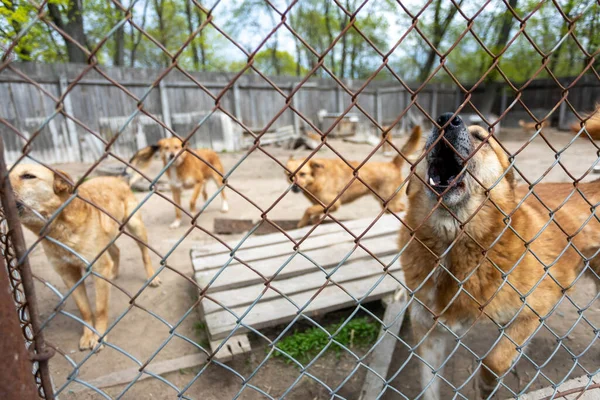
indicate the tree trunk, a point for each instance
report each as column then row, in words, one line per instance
column 492, row 88
column 440, row 26
column 119, row 56
column 344, row 43
column 73, row 27
column 136, row 42
column 188, row 15
column 330, row 37
column 555, row 57
column 159, row 8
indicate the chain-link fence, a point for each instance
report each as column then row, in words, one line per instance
column 496, row 262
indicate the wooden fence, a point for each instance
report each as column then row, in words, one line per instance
column 180, row 104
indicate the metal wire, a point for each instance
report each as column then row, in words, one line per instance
column 283, row 24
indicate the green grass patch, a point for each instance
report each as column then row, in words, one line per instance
column 304, row 346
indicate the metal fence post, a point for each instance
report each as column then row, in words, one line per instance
column 42, row 353
column 17, row 381
column 164, row 104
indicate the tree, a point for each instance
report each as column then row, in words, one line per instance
column 68, row 17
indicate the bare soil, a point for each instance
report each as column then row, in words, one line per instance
column 154, row 322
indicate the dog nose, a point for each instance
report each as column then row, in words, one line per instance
column 456, row 121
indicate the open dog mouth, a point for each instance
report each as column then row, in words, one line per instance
column 445, row 169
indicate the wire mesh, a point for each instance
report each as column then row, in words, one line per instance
column 441, row 300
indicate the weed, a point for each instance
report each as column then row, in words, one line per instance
column 304, row 346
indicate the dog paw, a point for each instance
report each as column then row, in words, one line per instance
column 89, row 341
column 176, row 224
column 224, row 207
column 155, row 282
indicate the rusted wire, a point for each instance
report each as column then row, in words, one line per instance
column 15, row 251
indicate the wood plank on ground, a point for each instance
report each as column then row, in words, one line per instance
column 246, row 295
column 285, row 248
column 230, row 226
column 280, row 310
column 356, row 226
column 382, row 354
column 239, row 275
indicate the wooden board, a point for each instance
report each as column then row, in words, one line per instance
column 381, row 355
column 328, row 272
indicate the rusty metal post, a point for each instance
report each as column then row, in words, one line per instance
column 42, row 353
column 16, row 378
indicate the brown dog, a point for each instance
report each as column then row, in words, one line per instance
column 592, row 125
column 84, row 229
column 324, row 180
column 186, row 172
column 530, row 126
column 475, row 251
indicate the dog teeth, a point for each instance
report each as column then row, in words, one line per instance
column 431, row 182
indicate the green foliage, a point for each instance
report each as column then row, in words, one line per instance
column 304, row 346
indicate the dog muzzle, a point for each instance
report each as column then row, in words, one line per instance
column 296, row 189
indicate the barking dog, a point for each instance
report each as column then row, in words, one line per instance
column 325, row 179
column 473, row 250
column 186, row 172
column 84, row 229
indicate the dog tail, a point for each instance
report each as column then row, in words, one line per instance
column 409, row 147
column 141, row 160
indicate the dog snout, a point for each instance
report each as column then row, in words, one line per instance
column 171, row 156
column 455, row 132
column 296, row 188
column 455, row 123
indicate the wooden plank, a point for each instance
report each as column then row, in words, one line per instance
column 235, row 345
column 246, row 295
column 159, row 368
column 355, row 226
column 229, row 226
column 285, row 248
column 237, row 275
column 381, row 357
column 278, row 311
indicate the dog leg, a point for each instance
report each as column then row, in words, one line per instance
column 70, row 275
column 204, row 193
column 138, row 229
column 115, row 255
column 313, row 212
column 224, row 205
column 103, row 267
column 432, row 350
column 177, row 200
column 501, row 358
column 197, row 188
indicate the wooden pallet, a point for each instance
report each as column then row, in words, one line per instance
column 237, row 287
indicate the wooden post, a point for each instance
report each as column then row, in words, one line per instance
column 295, row 121
column 382, row 354
column 164, row 104
column 434, row 101
column 378, row 115
column 562, row 116
column 237, row 111
column 75, row 144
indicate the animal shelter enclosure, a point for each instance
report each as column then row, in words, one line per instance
column 416, row 225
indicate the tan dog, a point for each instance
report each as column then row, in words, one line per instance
column 325, row 179
column 530, row 126
column 84, row 229
column 487, row 267
column 186, row 172
column 592, row 125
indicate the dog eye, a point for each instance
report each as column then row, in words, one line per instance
column 28, row 176
column 302, row 174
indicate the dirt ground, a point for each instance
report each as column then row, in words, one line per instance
column 140, row 334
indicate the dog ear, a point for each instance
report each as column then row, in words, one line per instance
column 62, row 183
column 316, row 164
column 145, row 154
